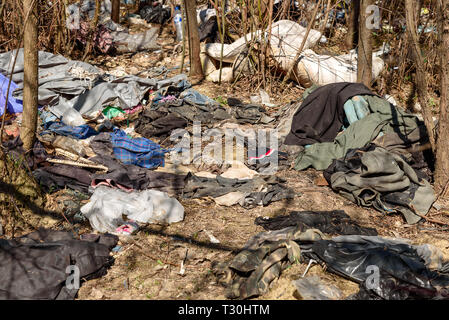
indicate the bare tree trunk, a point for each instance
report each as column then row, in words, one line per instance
column 442, row 147
column 353, row 25
column 30, row 83
column 421, row 80
column 93, row 29
column 365, row 50
column 196, row 70
column 115, row 13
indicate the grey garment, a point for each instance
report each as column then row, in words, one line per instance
column 205, row 115
column 272, row 193
column 126, row 42
column 35, row 266
column 66, row 84
column 384, row 118
column 248, row 113
column 251, row 114
column 383, row 180
column 102, row 145
column 54, row 77
column 137, row 178
column 404, row 145
column 257, row 191
column 193, row 97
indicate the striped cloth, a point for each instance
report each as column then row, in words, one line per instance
column 138, row 151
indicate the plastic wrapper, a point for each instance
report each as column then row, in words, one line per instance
column 312, row 288
column 107, row 206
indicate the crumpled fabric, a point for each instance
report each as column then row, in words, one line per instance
column 152, row 123
column 138, row 151
column 261, row 261
column 155, row 14
column 384, row 118
column 80, row 132
column 248, row 113
column 335, row 222
column 35, row 266
column 374, row 177
column 102, row 38
column 131, row 177
column 14, row 105
column 249, row 193
column 205, row 114
column 61, row 176
column 321, row 115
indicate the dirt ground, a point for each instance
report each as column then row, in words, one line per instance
column 149, row 262
column 148, row 266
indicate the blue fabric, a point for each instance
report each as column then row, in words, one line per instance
column 355, row 109
column 138, row 151
column 80, row 132
column 193, row 97
column 14, row 105
column 361, row 107
column 350, row 113
column 47, row 116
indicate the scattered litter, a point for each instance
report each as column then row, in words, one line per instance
column 313, row 288
column 211, row 236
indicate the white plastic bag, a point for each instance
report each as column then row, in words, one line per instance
column 286, row 39
column 322, row 69
column 107, row 205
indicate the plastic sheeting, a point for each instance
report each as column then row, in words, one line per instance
column 72, row 88
column 389, row 269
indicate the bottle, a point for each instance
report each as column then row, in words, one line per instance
column 178, row 23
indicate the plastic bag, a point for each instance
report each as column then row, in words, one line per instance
column 286, row 39
column 323, row 69
column 107, row 206
column 312, row 288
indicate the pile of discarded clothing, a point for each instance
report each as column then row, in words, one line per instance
column 102, row 136
column 390, row 269
column 373, row 153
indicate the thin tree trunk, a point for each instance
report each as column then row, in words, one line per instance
column 115, row 13
column 222, row 35
column 196, row 70
column 93, row 29
column 365, row 49
column 353, row 25
column 30, row 83
column 421, row 80
column 442, row 147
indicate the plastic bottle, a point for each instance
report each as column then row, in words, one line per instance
column 178, row 23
